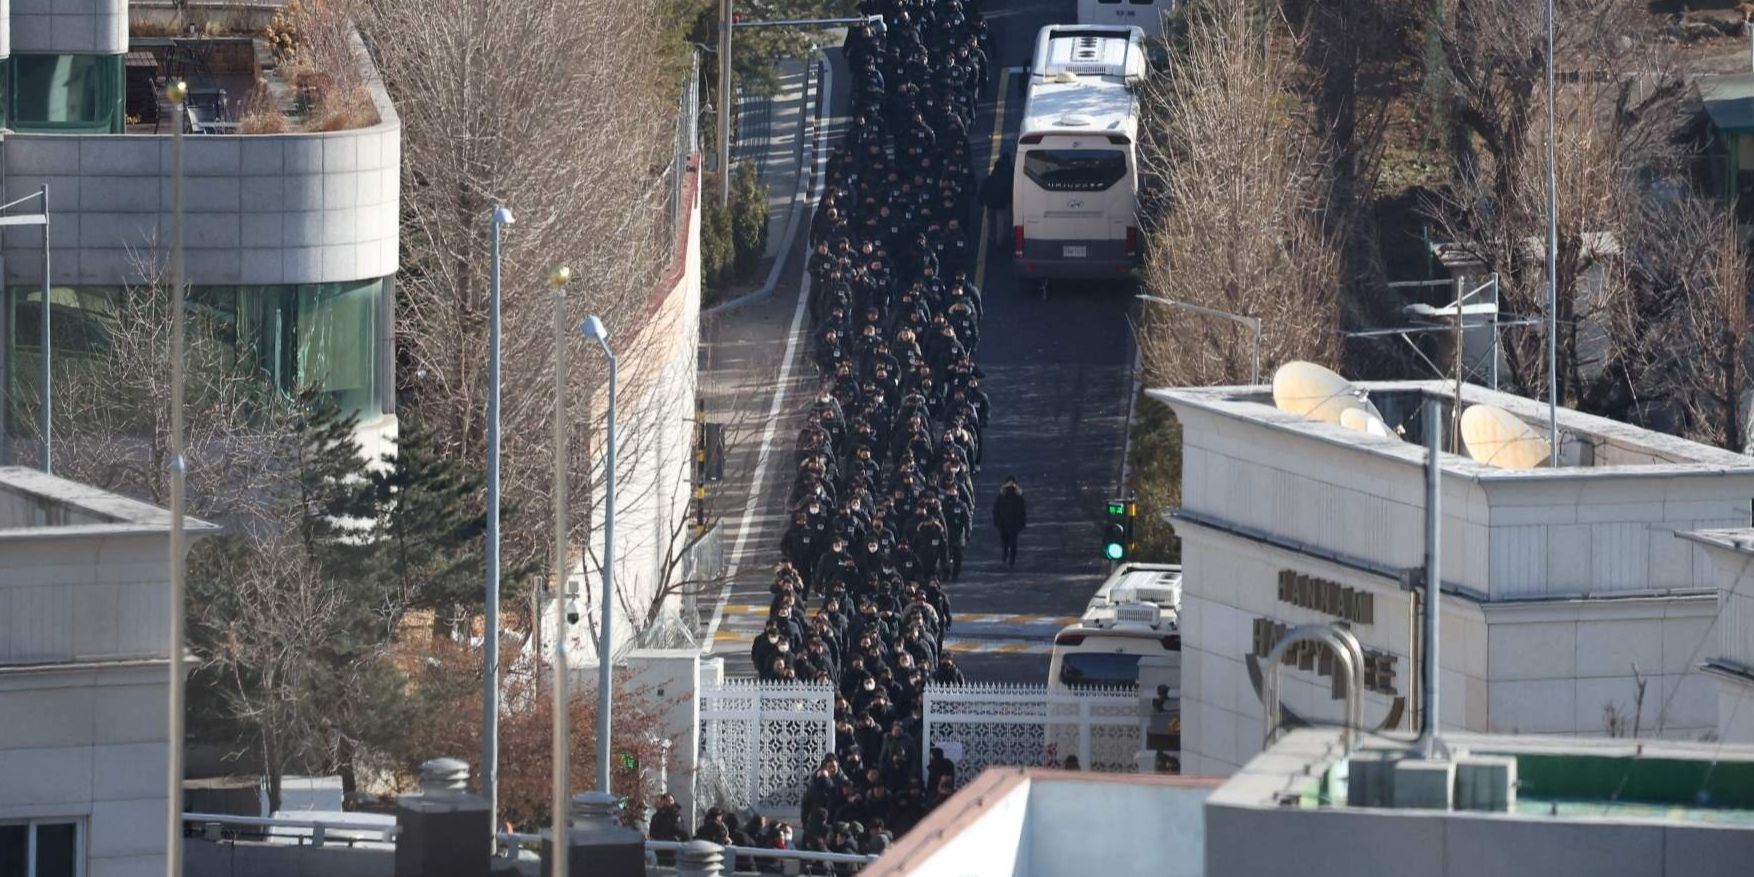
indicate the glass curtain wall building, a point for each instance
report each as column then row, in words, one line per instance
column 64, row 94
column 329, row 336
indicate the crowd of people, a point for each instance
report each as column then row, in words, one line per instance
column 882, row 503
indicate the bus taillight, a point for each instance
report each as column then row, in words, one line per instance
column 1132, row 240
column 1017, row 240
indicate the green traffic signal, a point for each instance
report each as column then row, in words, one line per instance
column 1117, row 540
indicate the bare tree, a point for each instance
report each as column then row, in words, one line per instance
column 561, row 112
column 1239, row 172
column 112, row 399
column 1617, row 114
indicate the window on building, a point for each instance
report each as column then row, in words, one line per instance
column 65, row 93
column 41, row 848
column 324, row 335
column 330, row 336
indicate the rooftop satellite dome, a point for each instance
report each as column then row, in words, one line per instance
column 1309, row 390
column 1360, row 420
column 1499, row 438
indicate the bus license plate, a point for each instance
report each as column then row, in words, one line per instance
column 1078, row 252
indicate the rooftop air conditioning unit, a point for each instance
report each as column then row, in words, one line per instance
column 1141, row 613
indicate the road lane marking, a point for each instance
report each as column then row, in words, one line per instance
column 980, row 259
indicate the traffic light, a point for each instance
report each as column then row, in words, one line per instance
column 1117, row 540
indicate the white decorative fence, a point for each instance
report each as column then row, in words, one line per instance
column 761, row 741
column 980, row 726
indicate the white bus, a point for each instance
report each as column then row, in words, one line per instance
column 1074, row 196
column 1129, row 637
column 1135, row 615
column 1147, row 15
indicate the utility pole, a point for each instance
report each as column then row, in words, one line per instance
column 726, row 18
column 1552, row 265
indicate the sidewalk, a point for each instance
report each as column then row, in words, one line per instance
column 744, row 377
column 771, row 137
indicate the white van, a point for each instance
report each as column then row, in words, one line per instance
column 1135, row 615
column 1074, row 196
column 1147, row 15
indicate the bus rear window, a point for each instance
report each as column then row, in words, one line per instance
column 1088, row 669
column 1075, row 170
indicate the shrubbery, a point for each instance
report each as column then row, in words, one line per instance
column 732, row 241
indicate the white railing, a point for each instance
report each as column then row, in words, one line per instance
column 315, row 832
column 511, row 843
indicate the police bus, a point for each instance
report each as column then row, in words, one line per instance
column 1074, row 195
column 1129, row 637
column 1147, row 15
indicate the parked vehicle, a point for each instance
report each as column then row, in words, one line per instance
column 1074, row 196
column 1147, row 15
column 1134, row 615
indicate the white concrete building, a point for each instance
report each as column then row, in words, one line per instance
column 84, row 673
column 1563, row 587
column 291, row 239
column 1729, row 658
column 1504, row 806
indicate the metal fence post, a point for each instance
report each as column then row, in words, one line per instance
column 1084, row 762
column 926, row 734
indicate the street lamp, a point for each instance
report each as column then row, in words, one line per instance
column 727, row 22
column 497, row 221
column 593, row 329
column 1552, row 265
column 557, row 280
column 177, row 92
column 1251, row 322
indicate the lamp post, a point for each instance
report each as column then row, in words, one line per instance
column 500, row 218
column 1251, row 322
column 557, row 280
column 1552, row 265
column 727, row 23
column 726, row 19
column 593, row 329
column 177, row 92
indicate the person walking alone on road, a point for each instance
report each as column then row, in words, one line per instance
column 1010, row 515
column 996, row 197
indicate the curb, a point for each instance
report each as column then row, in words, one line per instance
column 803, row 201
column 817, row 153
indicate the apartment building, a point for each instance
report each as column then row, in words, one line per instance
column 290, row 238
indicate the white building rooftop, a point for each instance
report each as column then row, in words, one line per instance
column 1590, row 446
column 36, row 505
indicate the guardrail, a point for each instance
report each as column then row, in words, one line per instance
column 312, row 832
column 512, row 842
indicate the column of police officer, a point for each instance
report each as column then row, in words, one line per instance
column 882, row 502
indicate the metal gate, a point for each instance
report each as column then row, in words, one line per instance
column 761, row 741
column 981, row 726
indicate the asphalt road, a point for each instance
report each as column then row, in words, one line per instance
column 1057, row 370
